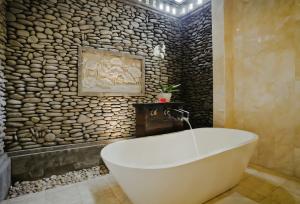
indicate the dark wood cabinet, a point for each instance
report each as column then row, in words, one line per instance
column 155, row 118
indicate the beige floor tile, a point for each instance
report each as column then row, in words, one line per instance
column 281, row 196
column 235, row 198
column 127, row 202
column 255, row 188
column 220, row 197
column 249, row 194
column 246, row 175
column 117, row 190
column 292, row 187
column 34, row 198
column 63, row 195
column 97, row 191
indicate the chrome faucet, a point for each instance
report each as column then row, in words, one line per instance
column 184, row 115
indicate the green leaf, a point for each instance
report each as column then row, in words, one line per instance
column 169, row 88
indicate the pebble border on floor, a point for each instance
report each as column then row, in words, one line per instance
column 26, row 187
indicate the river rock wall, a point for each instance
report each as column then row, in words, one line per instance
column 197, row 70
column 43, row 106
column 43, row 39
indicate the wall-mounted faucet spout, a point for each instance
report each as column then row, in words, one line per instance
column 179, row 114
column 184, row 115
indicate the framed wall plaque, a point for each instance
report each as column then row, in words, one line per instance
column 108, row 73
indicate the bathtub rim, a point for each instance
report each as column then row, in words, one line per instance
column 185, row 162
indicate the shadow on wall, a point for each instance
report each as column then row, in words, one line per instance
column 197, row 70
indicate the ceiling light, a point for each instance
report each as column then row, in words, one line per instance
column 191, row 6
column 174, row 11
column 183, row 11
column 199, row 1
column 154, row 3
column 179, row 1
column 161, row 6
column 167, row 8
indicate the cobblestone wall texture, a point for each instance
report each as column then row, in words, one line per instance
column 43, row 38
column 197, row 70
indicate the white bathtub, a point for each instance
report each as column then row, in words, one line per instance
column 167, row 169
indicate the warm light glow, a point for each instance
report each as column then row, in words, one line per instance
column 161, row 6
column 167, row 8
column 182, row 9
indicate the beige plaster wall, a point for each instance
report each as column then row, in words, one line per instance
column 256, row 47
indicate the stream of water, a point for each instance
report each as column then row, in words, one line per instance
column 193, row 135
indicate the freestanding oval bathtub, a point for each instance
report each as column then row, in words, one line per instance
column 179, row 168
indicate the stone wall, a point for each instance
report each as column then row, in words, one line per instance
column 197, row 74
column 5, row 163
column 2, row 65
column 43, row 107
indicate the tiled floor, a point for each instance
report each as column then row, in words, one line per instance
column 258, row 186
column 262, row 186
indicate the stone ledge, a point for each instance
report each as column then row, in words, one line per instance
column 61, row 147
column 45, row 162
